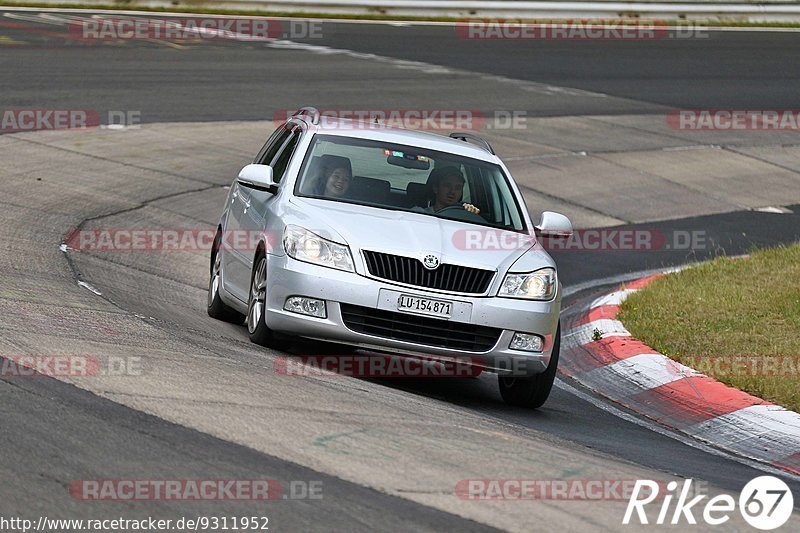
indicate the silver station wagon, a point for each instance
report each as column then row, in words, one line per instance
column 391, row 241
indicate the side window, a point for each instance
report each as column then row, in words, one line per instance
column 280, row 163
column 273, row 144
column 465, row 171
column 488, row 198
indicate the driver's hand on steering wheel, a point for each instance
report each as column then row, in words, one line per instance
column 471, row 208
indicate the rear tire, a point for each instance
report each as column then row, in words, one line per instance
column 216, row 307
column 532, row 392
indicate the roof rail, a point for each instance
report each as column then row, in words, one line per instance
column 313, row 112
column 463, row 135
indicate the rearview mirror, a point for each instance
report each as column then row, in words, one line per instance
column 257, row 177
column 411, row 161
column 554, row 225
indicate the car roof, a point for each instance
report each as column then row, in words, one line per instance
column 381, row 132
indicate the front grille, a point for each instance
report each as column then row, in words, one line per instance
column 418, row 329
column 451, row 278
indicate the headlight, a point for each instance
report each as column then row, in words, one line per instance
column 303, row 245
column 539, row 285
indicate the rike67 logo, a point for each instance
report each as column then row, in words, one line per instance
column 765, row 503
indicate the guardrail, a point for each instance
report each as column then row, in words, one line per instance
column 714, row 10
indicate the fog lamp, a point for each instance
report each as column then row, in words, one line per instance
column 305, row 306
column 527, row 342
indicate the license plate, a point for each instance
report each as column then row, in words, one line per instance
column 424, row 306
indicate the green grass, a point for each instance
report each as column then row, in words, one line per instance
column 187, row 7
column 707, row 315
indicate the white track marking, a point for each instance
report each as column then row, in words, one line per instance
column 39, row 19
column 767, row 432
column 687, row 440
column 773, row 209
column 612, row 298
column 89, row 287
column 621, row 278
column 638, row 373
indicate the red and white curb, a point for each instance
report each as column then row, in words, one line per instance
column 598, row 352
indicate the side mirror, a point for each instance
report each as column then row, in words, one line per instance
column 554, row 225
column 257, row 177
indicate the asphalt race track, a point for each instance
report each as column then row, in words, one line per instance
column 245, row 81
column 207, row 404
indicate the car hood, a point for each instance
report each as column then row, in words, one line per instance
column 416, row 235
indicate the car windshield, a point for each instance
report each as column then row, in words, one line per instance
column 408, row 178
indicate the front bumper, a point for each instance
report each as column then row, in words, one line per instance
column 288, row 277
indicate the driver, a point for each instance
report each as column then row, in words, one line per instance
column 447, row 184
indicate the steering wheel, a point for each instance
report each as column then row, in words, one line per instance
column 452, row 207
column 458, row 212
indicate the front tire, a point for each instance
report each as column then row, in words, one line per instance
column 216, row 307
column 532, row 392
column 257, row 304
